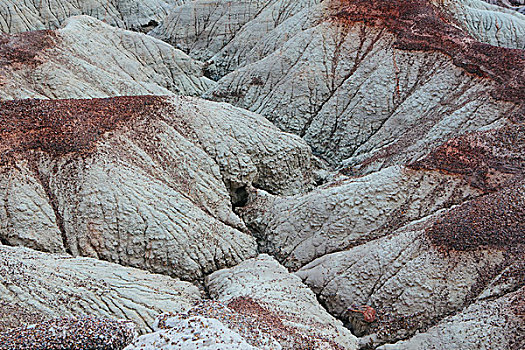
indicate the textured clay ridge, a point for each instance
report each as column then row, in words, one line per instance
column 419, row 25
column 59, row 127
column 267, row 320
column 252, row 320
column 23, row 49
column 486, row 159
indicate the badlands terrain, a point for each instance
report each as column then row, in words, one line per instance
column 262, row 174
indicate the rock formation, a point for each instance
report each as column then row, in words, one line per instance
column 16, row 16
column 496, row 25
column 224, row 32
column 518, row 5
column 439, row 265
column 261, row 306
column 262, row 283
column 486, row 319
column 376, row 93
column 37, row 287
column 349, row 211
column 87, row 58
column 142, row 181
column 380, row 205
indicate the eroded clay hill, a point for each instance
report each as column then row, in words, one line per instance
column 141, row 181
column 87, row 58
column 390, row 217
column 373, row 84
column 140, row 15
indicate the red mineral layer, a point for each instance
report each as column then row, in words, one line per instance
column 23, row 49
column 493, row 161
column 419, row 25
column 271, row 323
column 487, row 159
column 58, row 127
column 493, row 221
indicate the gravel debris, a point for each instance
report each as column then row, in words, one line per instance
column 258, row 325
column 71, row 333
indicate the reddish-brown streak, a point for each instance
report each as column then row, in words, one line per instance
column 23, row 49
column 486, row 159
column 64, row 126
column 419, row 25
column 496, row 221
column 493, row 161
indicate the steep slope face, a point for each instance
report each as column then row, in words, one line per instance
column 87, row 58
column 361, row 84
column 223, row 32
column 348, row 211
column 517, row 5
column 38, row 287
column 260, row 306
column 143, row 181
column 495, row 25
column 420, row 232
column 429, row 269
column 498, row 320
column 409, row 283
column 20, row 16
column 262, row 283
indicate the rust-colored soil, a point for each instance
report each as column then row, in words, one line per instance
column 493, row 161
column 64, row 126
column 486, row 159
column 23, row 48
column 496, row 221
column 271, row 323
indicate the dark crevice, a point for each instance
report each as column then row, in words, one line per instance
column 239, row 197
column 209, row 71
column 3, row 241
column 146, row 28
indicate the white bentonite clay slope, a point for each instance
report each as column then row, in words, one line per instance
column 20, row 16
column 262, row 174
column 87, row 58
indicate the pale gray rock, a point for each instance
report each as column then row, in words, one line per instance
column 260, row 305
column 20, row 16
column 204, row 27
column 224, row 32
column 349, row 93
column 193, row 332
column 248, row 148
column 155, row 192
column 470, row 329
column 517, row 5
column 50, row 286
column 354, row 94
column 26, row 217
column 348, row 211
column 409, row 282
column 240, row 49
column 87, row 58
column 495, row 25
column 269, row 284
